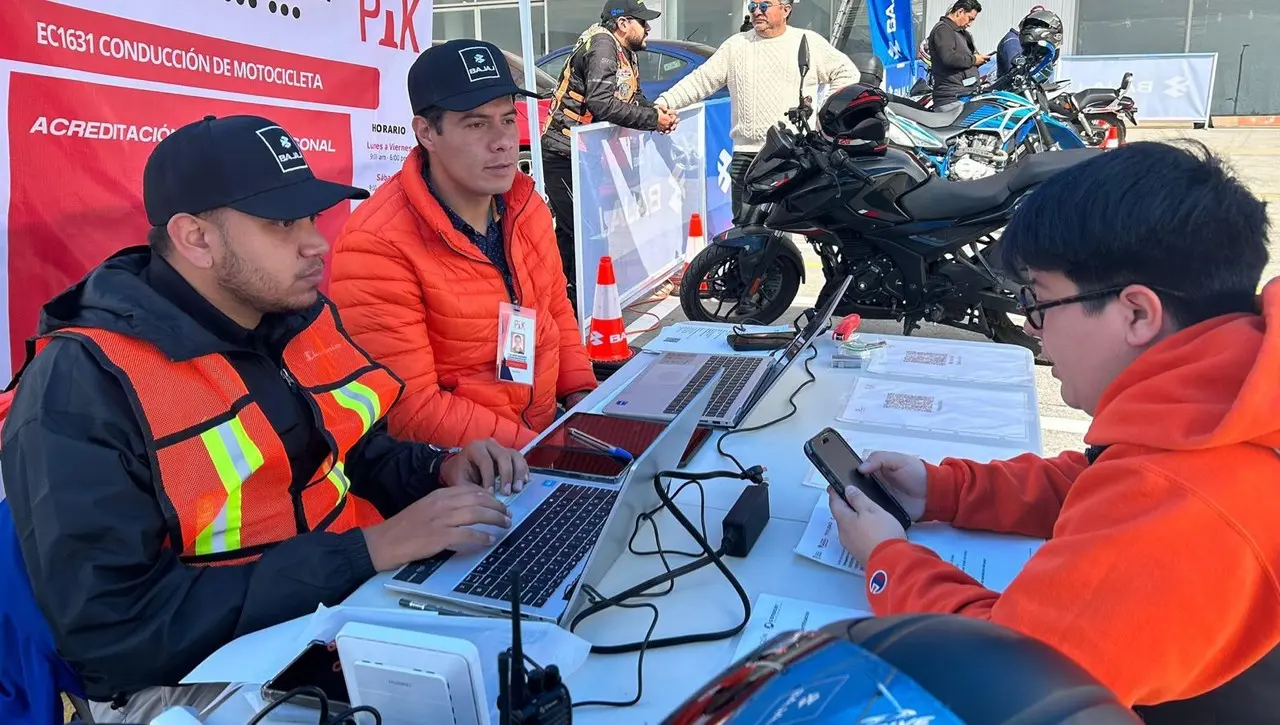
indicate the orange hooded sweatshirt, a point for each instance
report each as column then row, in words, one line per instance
column 1159, row 576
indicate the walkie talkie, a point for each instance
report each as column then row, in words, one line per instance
column 528, row 697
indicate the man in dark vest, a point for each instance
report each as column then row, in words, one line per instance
column 197, row 450
column 600, row 82
column 1159, row 575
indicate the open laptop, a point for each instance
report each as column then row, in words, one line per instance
column 563, row 532
column 671, row 382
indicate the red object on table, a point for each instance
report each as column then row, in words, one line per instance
column 847, row 327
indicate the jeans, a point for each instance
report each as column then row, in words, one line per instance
column 738, row 176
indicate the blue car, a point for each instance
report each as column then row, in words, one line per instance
column 662, row 65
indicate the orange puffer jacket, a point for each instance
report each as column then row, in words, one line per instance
column 423, row 300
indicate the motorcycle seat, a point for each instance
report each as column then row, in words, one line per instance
column 1094, row 97
column 928, row 119
column 938, row 199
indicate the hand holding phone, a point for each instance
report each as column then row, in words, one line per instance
column 839, row 464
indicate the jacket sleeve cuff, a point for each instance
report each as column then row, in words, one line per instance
column 354, row 550
column 942, row 491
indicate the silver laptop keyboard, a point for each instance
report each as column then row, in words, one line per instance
column 737, row 371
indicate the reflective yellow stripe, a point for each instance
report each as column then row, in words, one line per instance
column 235, row 458
column 338, row 477
column 359, row 399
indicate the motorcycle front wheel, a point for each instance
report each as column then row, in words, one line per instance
column 712, row 287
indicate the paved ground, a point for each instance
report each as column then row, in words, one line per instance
column 1253, row 153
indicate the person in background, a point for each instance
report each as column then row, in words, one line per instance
column 953, row 58
column 600, row 82
column 1159, row 576
column 759, row 67
column 421, row 270
column 1011, row 46
column 196, row 450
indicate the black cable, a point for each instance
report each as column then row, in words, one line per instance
column 791, row 401
column 644, row 645
column 308, row 690
column 350, row 713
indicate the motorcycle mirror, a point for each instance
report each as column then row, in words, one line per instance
column 803, row 61
column 1125, row 83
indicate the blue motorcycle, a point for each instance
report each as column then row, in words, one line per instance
column 992, row 130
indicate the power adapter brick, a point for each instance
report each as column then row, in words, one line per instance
column 744, row 522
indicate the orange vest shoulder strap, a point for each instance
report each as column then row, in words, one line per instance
column 173, row 397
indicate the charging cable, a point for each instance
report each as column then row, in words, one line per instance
column 343, row 717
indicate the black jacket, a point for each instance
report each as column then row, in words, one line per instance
column 951, row 52
column 592, row 72
column 125, row 612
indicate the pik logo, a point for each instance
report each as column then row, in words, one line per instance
column 479, row 64
column 722, row 170
column 283, row 148
column 398, row 30
column 1177, row 87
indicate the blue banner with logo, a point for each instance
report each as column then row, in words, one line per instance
column 892, row 30
column 719, row 151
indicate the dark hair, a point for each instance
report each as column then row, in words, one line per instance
column 1172, row 217
column 965, row 5
column 158, row 238
column 434, row 115
column 611, row 24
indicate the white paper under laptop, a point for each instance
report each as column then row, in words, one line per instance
column 563, row 531
column 671, row 381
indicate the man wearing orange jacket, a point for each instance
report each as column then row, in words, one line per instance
column 1160, row 572
column 423, row 269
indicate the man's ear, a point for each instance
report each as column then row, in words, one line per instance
column 192, row 241
column 1146, row 316
column 424, row 132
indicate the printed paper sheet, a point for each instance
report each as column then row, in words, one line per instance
column 940, row 409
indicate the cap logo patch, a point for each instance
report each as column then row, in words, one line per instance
column 479, row 64
column 283, row 148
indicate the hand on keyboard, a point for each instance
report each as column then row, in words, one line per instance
column 487, row 465
column 439, row 521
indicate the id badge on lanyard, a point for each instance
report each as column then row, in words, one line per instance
column 517, row 343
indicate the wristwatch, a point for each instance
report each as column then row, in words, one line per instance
column 442, row 455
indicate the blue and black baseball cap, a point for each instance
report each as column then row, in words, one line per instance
column 460, row 75
column 246, row 163
column 628, row 9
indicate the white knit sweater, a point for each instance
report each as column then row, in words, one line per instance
column 763, row 80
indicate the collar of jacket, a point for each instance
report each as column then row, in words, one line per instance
column 429, row 210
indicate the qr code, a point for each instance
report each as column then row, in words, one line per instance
column 925, row 358
column 903, row 401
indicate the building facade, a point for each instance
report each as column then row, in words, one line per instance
column 1239, row 31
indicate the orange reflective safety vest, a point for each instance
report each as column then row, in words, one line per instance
column 223, row 477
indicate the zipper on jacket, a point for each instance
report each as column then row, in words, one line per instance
column 299, row 510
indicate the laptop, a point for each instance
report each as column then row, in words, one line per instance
column 563, row 532
column 673, row 380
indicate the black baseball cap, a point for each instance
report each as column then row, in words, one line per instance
column 628, row 9
column 460, row 75
column 247, row 163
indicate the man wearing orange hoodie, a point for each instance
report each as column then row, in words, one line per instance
column 422, row 269
column 1160, row 571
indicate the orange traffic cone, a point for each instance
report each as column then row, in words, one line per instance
column 697, row 242
column 607, row 341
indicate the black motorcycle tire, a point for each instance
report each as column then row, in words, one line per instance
column 714, row 256
column 1112, row 120
column 1008, row 332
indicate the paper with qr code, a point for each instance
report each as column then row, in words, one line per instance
column 941, row 409
column 928, row 449
column 946, row 359
column 992, row 559
column 705, row 339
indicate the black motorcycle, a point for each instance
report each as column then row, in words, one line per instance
column 919, row 248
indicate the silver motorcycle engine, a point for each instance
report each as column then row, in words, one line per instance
column 976, row 156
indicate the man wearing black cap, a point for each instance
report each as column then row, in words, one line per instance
column 422, row 270
column 600, row 82
column 196, row 450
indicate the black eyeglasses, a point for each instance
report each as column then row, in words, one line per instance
column 1034, row 309
column 643, row 23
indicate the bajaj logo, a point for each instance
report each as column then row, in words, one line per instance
column 287, row 154
column 479, row 64
column 1177, row 87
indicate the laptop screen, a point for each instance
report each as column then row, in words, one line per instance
column 812, row 330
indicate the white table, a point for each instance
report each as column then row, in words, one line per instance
column 704, row 601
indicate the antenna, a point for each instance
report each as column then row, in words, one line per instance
column 518, row 691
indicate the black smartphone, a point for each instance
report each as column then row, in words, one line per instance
column 837, row 463
column 318, row 666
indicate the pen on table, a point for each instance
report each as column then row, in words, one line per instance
column 601, row 446
column 414, row 604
